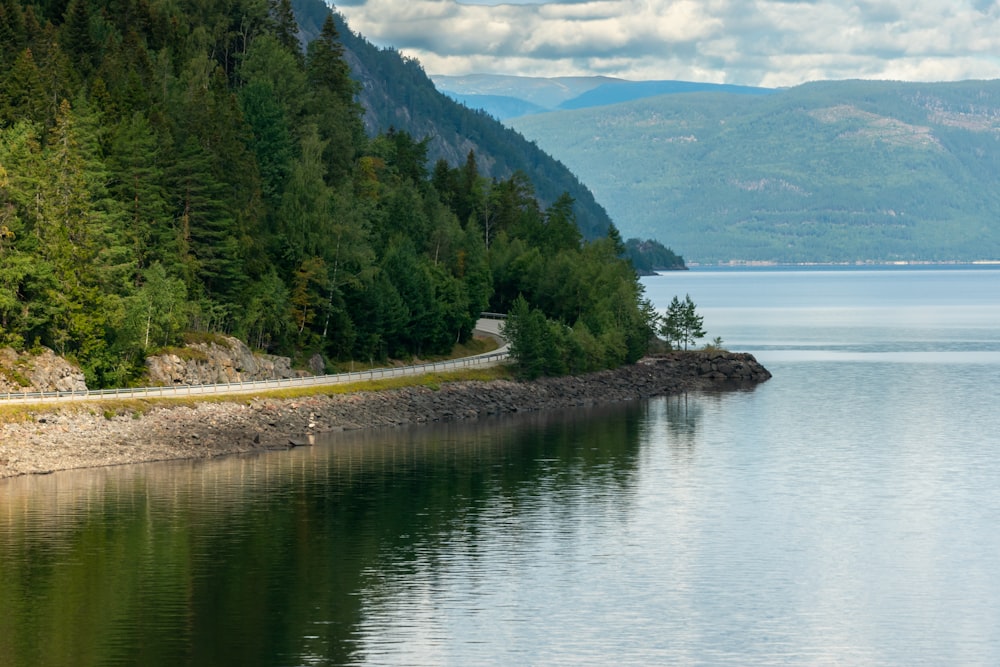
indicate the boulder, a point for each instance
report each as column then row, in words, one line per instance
column 221, row 361
column 38, row 371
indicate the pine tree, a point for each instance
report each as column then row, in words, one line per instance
column 208, row 249
column 271, row 138
column 682, row 325
column 561, row 232
column 24, row 97
column 692, row 322
column 285, row 27
column 327, row 68
column 333, row 107
column 136, row 164
column 76, row 41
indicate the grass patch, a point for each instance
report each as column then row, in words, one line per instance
column 185, row 353
column 135, row 407
column 14, row 377
column 193, row 337
column 470, row 349
column 429, row 380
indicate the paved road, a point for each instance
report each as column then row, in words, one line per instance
column 487, row 325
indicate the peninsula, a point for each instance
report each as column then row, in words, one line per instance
column 79, row 436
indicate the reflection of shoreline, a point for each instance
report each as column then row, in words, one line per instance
column 41, row 502
column 68, row 439
column 258, row 552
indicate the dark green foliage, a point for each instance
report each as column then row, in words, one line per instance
column 397, row 93
column 533, row 341
column 588, row 296
column 682, row 325
column 650, row 256
column 168, row 169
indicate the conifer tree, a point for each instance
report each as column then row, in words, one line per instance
column 284, row 25
column 76, row 40
column 333, row 106
column 24, row 97
column 682, row 325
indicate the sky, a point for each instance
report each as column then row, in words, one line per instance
column 750, row 42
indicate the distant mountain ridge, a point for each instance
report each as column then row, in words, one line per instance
column 541, row 92
column 505, row 97
column 847, row 171
column 617, row 92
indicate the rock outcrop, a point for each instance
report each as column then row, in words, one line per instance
column 719, row 365
column 40, row 371
column 221, row 361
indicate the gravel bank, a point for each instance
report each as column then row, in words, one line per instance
column 76, row 437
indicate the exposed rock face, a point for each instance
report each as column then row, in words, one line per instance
column 229, row 360
column 42, row 372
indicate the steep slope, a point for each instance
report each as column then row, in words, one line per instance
column 172, row 176
column 498, row 106
column 824, row 172
column 396, row 93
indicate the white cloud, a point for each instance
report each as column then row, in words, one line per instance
column 755, row 42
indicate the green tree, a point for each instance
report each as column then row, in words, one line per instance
column 284, row 26
column 158, row 307
column 137, row 178
column 270, row 138
column 333, row 106
column 561, row 231
column 534, row 341
column 76, row 38
column 205, row 222
column 682, row 325
column 24, row 93
column 308, row 286
column 267, row 318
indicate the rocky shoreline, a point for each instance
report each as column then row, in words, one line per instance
column 77, row 437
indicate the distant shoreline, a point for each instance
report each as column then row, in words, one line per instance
column 75, row 436
column 750, row 264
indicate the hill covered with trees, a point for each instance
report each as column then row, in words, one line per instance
column 396, row 93
column 176, row 168
column 847, row 171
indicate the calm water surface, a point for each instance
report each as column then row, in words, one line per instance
column 845, row 513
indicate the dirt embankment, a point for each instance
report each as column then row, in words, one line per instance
column 77, row 437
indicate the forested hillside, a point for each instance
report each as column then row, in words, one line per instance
column 170, row 169
column 396, row 93
column 825, row 172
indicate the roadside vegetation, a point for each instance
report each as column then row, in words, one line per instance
column 543, row 346
column 167, row 173
column 111, row 408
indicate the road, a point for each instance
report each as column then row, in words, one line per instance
column 489, row 325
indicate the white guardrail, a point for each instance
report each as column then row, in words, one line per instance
column 489, row 324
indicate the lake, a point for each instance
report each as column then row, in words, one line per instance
column 847, row 512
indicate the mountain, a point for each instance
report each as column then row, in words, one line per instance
column 616, row 92
column 538, row 92
column 824, row 172
column 506, row 97
column 396, row 93
column 498, row 106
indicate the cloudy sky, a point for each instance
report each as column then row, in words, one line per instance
column 751, row 42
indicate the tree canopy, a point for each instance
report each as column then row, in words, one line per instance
column 169, row 168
